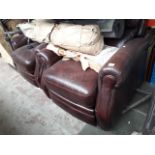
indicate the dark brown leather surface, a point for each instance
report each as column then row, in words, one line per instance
column 81, row 112
column 24, row 58
column 69, row 80
column 44, row 59
column 117, row 84
column 104, row 109
column 18, row 41
column 125, row 59
column 31, row 60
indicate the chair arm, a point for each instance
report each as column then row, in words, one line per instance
column 123, row 61
column 44, row 59
column 118, row 79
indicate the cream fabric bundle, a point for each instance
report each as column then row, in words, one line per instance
column 85, row 39
column 37, row 30
column 87, row 61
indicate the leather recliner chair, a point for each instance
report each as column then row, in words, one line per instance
column 31, row 60
column 98, row 98
column 94, row 98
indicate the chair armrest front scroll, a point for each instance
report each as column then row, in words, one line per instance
column 44, row 59
column 123, row 61
column 118, row 78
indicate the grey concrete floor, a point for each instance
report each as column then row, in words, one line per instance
column 25, row 109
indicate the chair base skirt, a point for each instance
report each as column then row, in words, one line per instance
column 85, row 114
column 29, row 77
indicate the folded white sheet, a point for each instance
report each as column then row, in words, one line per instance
column 87, row 61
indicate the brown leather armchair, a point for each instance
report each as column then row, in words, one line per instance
column 32, row 59
column 97, row 99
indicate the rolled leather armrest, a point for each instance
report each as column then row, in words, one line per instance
column 123, row 61
column 44, row 59
column 118, row 79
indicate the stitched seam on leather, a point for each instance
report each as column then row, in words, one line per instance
column 87, row 105
column 71, row 103
column 74, row 111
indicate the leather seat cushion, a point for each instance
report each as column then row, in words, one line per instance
column 24, row 58
column 69, row 80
